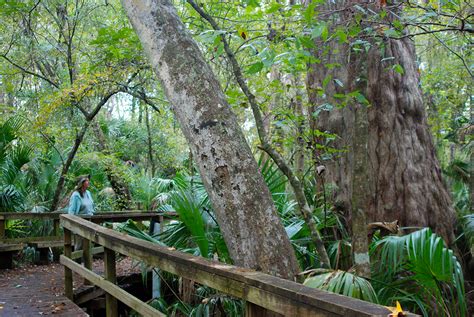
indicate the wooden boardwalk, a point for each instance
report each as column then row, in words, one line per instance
column 35, row 291
column 39, row 290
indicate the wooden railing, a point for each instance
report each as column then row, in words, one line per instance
column 9, row 246
column 262, row 292
column 101, row 217
column 4, row 216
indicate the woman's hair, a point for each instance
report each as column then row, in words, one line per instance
column 79, row 181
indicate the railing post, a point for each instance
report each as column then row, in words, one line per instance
column 86, row 256
column 2, row 227
column 56, row 227
column 161, row 220
column 252, row 310
column 110, row 275
column 67, row 272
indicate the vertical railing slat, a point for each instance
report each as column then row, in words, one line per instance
column 67, row 272
column 56, row 227
column 110, row 275
column 3, row 222
column 86, row 256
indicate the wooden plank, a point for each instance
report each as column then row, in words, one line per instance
column 30, row 215
column 252, row 310
column 31, row 239
column 35, row 291
column 123, row 216
column 86, row 256
column 46, row 244
column 56, row 231
column 276, row 294
column 111, row 305
column 68, row 290
column 7, row 247
column 129, row 300
column 78, row 254
column 87, row 294
column 101, row 216
column 2, row 228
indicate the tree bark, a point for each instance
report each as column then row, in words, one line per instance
column 150, row 143
column 244, row 208
column 407, row 174
column 295, row 183
column 360, row 188
column 404, row 173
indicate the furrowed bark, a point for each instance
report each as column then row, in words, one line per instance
column 404, row 177
column 244, row 208
column 407, row 174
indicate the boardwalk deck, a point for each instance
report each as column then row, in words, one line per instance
column 39, row 290
column 35, row 291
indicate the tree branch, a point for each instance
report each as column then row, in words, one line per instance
column 101, row 103
column 26, row 71
column 142, row 96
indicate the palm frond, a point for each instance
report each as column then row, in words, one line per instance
column 189, row 212
column 11, row 199
column 427, row 272
column 131, row 228
column 344, row 283
column 20, row 155
column 9, row 129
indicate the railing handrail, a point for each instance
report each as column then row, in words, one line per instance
column 98, row 215
column 272, row 293
column 101, row 217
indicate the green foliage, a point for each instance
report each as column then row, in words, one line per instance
column 117, row 44
column 274, row 43
column 420, row 272
column 468, row 228
column 189, row 209
column 10, row 199
column 14, row 154
column 151, row 192
column 131, row 228
column 15, row 228
column 342, row 282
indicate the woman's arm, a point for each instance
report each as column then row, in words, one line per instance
column 74, row 204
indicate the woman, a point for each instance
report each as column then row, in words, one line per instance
column 81, row 202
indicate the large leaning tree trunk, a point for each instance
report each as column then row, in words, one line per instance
column 244, row 208
column 267, row 147
column 404, row 174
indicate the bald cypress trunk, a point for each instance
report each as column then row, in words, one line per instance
column 407, row 174
column 404, row 175
column 244, row 208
